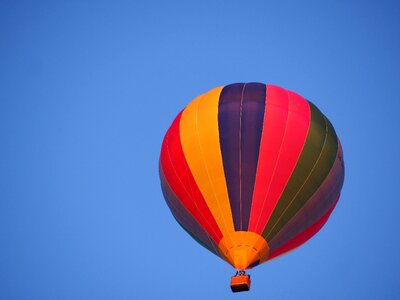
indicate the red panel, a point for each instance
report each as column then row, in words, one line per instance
column 286, row 124
column 181, row 181
column 304, row 236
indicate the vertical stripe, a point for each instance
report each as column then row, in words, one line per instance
column 286, row 123
column 229, row 112
column 181, row 181
column 240, row 118
column 252, row 124
column 312, row 168
column 320, row 202
column 184, row 218
column 200, row 142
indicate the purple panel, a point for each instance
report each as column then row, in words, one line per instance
column 320, row 202
column 240, row 120
column 184, row 218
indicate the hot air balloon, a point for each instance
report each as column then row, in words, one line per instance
column 251, row 171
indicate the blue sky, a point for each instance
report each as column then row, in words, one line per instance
column 87, row 91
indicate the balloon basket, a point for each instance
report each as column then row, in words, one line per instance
column 240, row 283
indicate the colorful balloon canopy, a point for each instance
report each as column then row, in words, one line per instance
column 251, row 171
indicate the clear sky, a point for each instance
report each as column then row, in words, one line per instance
column 87, row 91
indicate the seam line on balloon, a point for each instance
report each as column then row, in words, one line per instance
column 302, row 148
column 174, row 206
column 331, row 191
column 240, row 158
column 291, row 250
column 305, row 181
column 334, row 189
column 258, row 158
column 191, row 197
column 208, row 174
column 275, row 167
column 184, row 219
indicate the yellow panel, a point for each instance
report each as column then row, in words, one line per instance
column 243, row 249
column 200, row 142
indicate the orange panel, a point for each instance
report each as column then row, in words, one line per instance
column 200, row 141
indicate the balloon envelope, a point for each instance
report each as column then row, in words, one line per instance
column 251, row 171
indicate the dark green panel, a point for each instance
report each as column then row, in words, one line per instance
column 312, row 168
